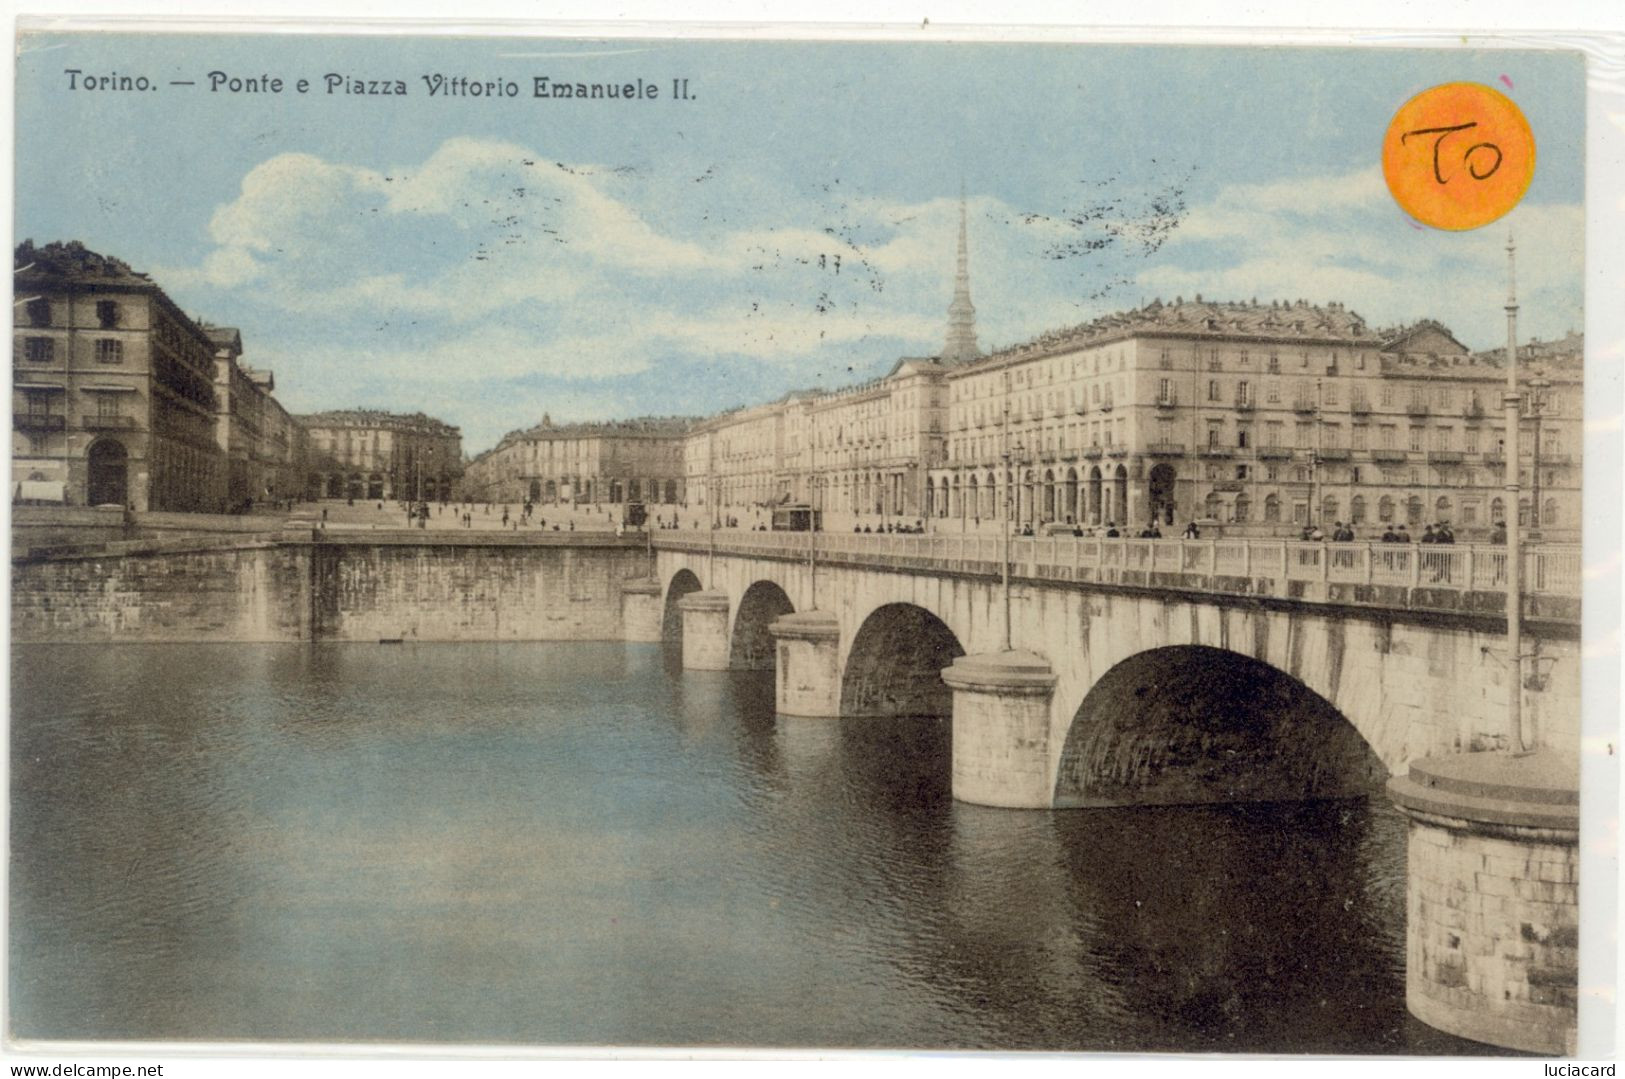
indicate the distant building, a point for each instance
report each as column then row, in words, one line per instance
column 367, row 454
column 264, row 448
column 637, row 460
column 113, row 397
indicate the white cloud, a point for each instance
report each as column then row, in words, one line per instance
column 1343, row 238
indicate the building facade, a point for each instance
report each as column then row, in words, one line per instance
column 113, row 388
column 263, row 448
column 1261, row 418
column 637, row 460
column 1252, row 418
column 364, row 454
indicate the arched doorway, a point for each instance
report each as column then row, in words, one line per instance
column 1120, row 495
column 1160, row 490
column 671, row 492
column 108, row 481
column 1094, row 495
column 535, row 490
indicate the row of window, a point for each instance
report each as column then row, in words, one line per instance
column 1304, row 394
column 1220, row 436
column 43, row 350
column 37, row 312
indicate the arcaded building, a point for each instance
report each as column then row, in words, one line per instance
column 366, row 454
column 1260, row 417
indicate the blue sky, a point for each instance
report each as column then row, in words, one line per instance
column 489, row 260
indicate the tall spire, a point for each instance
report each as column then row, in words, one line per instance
column 961, row 343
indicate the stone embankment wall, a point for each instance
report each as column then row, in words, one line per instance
column 380, row 587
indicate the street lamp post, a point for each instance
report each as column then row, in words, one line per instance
column 816, row 501
column 711, row 496
column 1514, row 550
column 1316, row 511
column 1009, row 516
column 1537, row 405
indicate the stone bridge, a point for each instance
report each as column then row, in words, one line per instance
column 1134, row 671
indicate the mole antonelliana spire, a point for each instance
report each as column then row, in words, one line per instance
column 961, row 344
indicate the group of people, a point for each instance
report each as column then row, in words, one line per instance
column 1436, row 533
column 917, row 528
column 1341, row 533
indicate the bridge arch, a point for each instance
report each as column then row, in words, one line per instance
column 1193, row 723
column 751, row 646
column 894, row 665
column 671, row 620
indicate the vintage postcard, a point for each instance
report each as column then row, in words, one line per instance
column 564, row 543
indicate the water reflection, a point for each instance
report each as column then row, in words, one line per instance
column 583, row 844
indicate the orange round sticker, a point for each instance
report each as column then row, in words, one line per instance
column 1458, row 156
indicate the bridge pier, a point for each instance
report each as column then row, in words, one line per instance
column 641, row 610
column 808, row 678
column 705, row 631
column 1001, row 729
column 1492, row 897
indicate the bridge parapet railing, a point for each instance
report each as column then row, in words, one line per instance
column 1230, row 558
column 1305, row 561
column 1202, row 565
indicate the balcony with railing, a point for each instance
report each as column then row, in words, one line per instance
column 1547, row 457
column 108, row 423
column 1446, row 457
column 1117, row 451
column 1166, row 400
column 1303, row 404
column 38, row 421
column 1334, row 453
column 1419, row 409
column 1244, row 404
column 1275, row 453
column 1165, row 449
column 1215, row 449
column 1473, row 413
column 1389, row 455
column 1093, row 453
column 1360, row 407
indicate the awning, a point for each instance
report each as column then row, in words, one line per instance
column 108, row 388
column 37, row 386
column 40, row 491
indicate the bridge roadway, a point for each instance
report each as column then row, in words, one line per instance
column 1137, row 671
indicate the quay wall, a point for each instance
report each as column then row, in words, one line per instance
column 379, row 587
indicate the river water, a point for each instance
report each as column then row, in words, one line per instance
column 580, row 844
